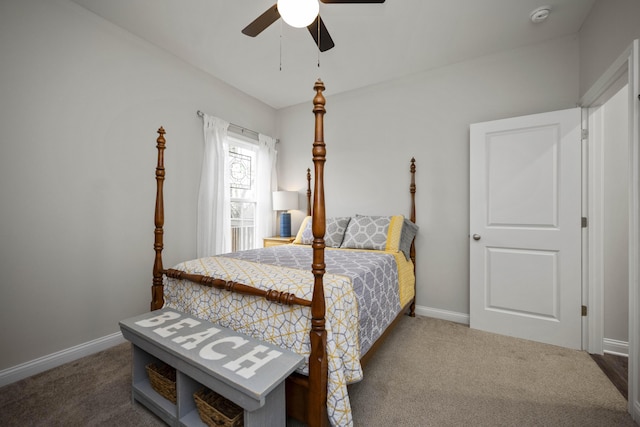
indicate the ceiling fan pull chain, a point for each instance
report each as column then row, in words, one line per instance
column 318, row 18
column 280, row 45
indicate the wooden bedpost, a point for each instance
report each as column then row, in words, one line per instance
column 317, row 414
column 412, row 253
column 157, row 297
column 308, row 192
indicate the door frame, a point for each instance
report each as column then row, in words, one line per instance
column 592, row 249
column 594, row 236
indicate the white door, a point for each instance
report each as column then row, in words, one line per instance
column 525, row 227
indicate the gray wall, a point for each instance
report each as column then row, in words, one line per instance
column 372, row 133
column 608, row 30
column 81, row 101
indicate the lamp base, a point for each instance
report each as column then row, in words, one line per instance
column 285, row 224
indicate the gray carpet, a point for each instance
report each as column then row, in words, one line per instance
column 428, row 373
column 437, row 373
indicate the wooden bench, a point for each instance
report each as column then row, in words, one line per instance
column 246, row 371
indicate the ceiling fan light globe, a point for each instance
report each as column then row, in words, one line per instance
column 298, row 13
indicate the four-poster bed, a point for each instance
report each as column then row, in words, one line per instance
column 273, row 301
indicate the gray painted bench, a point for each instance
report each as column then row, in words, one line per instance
column 246, row 371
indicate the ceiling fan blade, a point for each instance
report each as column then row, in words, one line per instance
column 262, row 22
column 351, row 1
column 326, row 42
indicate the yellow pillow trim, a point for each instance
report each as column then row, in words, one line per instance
column 394, row 233
column 303, row 226
column 406, row 278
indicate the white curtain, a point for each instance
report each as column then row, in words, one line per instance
column 267, row 180
column 214, row 223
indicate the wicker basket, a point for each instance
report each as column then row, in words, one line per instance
column 216, row 411
column 163, row 380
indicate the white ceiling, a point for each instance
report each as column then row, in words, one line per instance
column 373, row 42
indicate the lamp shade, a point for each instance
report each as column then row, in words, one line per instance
column 285, row 200
column 298, row 13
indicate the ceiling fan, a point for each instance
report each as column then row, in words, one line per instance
column 317, row 29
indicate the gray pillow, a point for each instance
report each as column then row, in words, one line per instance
column 367, row 232
column 409, row 231
column 334, row 232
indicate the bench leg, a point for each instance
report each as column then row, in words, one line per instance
column 273, row 413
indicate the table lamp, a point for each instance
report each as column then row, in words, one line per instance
column 285, row 201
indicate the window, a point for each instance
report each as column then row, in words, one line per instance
column 234, row 199
column 242, row 183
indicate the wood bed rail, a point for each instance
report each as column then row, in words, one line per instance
column 239, row 288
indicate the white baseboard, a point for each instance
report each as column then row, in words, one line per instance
column 619, row 348
column 41, row 364
column 635, row 412
column 442, row 314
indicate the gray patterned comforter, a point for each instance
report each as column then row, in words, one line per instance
column 373, row 274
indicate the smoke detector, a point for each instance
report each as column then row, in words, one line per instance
column 540, row 14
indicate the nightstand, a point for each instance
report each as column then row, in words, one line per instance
column 277, row 240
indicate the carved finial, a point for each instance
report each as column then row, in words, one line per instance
column 161, row 142
column 319, row 100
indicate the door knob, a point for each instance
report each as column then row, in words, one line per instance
column 476, row 237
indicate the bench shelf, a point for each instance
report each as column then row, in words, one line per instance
column 262, row 396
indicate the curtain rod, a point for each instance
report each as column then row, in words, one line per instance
column 238, row 129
